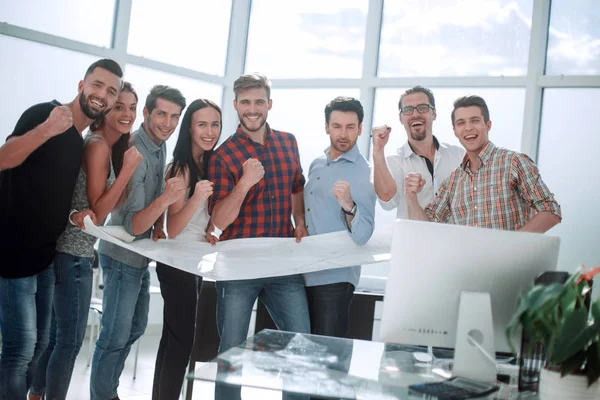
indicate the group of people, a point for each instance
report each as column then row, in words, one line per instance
column 252, row 185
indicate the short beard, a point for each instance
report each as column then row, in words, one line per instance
column 83, row 103
column 264, row 121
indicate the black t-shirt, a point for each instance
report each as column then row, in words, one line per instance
column 35, row 197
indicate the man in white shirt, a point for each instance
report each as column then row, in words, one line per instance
column 422, row 154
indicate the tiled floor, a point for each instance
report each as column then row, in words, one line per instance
column 140, row 388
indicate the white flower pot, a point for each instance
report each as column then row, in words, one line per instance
column 571, row 387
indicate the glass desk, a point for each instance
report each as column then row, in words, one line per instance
column 304, row 366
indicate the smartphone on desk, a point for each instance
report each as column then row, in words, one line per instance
column 455, row 388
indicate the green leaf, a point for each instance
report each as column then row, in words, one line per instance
column 572, row 335
column 593, row 363
column 573, row 364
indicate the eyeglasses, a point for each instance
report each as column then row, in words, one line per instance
column 421, row 108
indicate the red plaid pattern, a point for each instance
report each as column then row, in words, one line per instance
column 504, row 193
column 267, row 208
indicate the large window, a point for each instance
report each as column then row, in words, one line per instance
column 455, row 38
column 567, row 160
column 190, row 34
column 36, row 73
column 574, row 38
column 83, row 20
column 302, row 112
column 505, row 105
column 143, row 79
column 307, row 39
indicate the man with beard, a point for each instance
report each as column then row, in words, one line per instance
column 339, row 196
column 126, row 294
column 258, row 186
column 39, row 164
column 422, row 154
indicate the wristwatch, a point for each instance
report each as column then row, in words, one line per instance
column 351, row 212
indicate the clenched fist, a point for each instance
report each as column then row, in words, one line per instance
column 341, row 191
column 203, row 190
column 131, row 159
column 253, row 171
column 174, row 189
column 381, row 135
column 59, row 120
column 414, row 183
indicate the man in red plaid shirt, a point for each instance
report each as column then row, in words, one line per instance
column 492, row 188
column 258, row 186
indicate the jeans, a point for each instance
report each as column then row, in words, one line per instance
column 180, row 291
column 285, row 299
column 72, row 295
column 25, row 312
column 125, row 304
column 329, row 308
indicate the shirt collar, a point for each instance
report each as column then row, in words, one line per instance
column 242, row 135
column 351, row 155
column 408, row 151
column 484, row 155
column 148, row 143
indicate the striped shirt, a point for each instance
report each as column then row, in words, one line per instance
column 267, row 208
column 504, row 193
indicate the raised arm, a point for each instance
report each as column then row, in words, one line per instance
column 385, row 185
column 96, row 165
column 21, row 144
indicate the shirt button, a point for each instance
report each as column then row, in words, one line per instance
column 308, row 209
column 475, row 188
column 328, row 164
column 318, row 177
column 476, row 207
column 310, row 192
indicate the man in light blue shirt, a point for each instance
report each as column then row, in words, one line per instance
column 339, row 196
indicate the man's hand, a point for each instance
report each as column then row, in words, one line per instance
column 131, row 159
column 203, row 190
column 158, row 233
column 78, row 217
column 211, row 237
column 341, row 191
column 414, row 183
column 381, row 135
column 300, row 232
column 174, row 190
column 59, row 120
column 253, row 172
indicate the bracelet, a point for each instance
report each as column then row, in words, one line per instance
column 73, row 211
column 217, row 232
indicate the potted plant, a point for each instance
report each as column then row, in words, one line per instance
column 558, row 317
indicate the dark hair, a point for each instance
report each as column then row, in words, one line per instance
column 121, row 145
column 252, row 81
column 182, row 155
column 345, row 104
column 107, row 64
column 471, row 101
column 418, row 89
column 164, row 92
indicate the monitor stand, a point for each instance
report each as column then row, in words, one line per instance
column 474, row 356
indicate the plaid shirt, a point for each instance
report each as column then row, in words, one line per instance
column 267, row 208
column 504, row 192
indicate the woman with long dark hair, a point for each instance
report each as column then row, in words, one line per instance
column 187, row 219
column 108, row 164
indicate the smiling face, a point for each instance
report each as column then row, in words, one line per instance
column 162, row 121
column 418, row 126
column 122, row 116
column 252, row 106
column 471, row 129
column 98, row 93
column 205, row 129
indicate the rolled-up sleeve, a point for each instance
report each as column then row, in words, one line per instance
column 299, row 180
column 135, row 198
column 439, row 210
column 363, row 223
column 531, row 187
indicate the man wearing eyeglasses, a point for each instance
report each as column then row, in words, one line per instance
column 421, row 154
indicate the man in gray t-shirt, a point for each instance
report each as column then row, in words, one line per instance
column 126, row 277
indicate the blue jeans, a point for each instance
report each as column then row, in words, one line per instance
column 124, row 318
column 72, row 294
column 25, row 311
column 285, row 299
column 329, row 308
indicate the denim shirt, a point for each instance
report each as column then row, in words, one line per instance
column 323, row 213
column 146, row 184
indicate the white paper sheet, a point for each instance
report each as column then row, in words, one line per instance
column 253, row 258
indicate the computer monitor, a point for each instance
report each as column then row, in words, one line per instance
column 432, row 263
